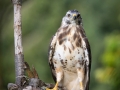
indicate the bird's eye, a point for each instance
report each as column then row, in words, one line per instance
column 78, row 15
column 68, row 15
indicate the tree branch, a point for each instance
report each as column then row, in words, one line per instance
column 19, row 57
column 22, row 82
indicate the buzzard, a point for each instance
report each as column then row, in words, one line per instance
column 70, row 55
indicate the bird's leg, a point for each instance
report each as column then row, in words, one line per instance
column 80, row 72
column 59, row 76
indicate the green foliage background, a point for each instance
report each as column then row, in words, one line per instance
column 42, row 18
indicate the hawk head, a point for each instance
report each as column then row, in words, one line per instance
column 72, row 17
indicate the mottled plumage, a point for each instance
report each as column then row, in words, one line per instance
column 70, row 55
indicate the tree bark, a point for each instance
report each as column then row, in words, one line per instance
column 32, row 82
column 19, row 58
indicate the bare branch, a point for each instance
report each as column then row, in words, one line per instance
column 32, row 82
column 19, row 58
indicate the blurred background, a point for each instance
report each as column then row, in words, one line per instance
column 42, row 18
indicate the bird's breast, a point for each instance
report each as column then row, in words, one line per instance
column 68, row 55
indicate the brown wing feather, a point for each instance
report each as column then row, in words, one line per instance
column 87, row 66
column 50, row 56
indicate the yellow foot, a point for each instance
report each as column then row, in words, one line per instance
column 81, row 86
column 55, row 88
column 51, row 89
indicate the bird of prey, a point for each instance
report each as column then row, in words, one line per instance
column 70, row 54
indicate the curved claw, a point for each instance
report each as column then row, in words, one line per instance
column 55, row 88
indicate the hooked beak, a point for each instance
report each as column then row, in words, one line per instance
column 74, row 16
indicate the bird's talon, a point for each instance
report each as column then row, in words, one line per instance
column 55, row 88
column 48, row 89
column 51, row 89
